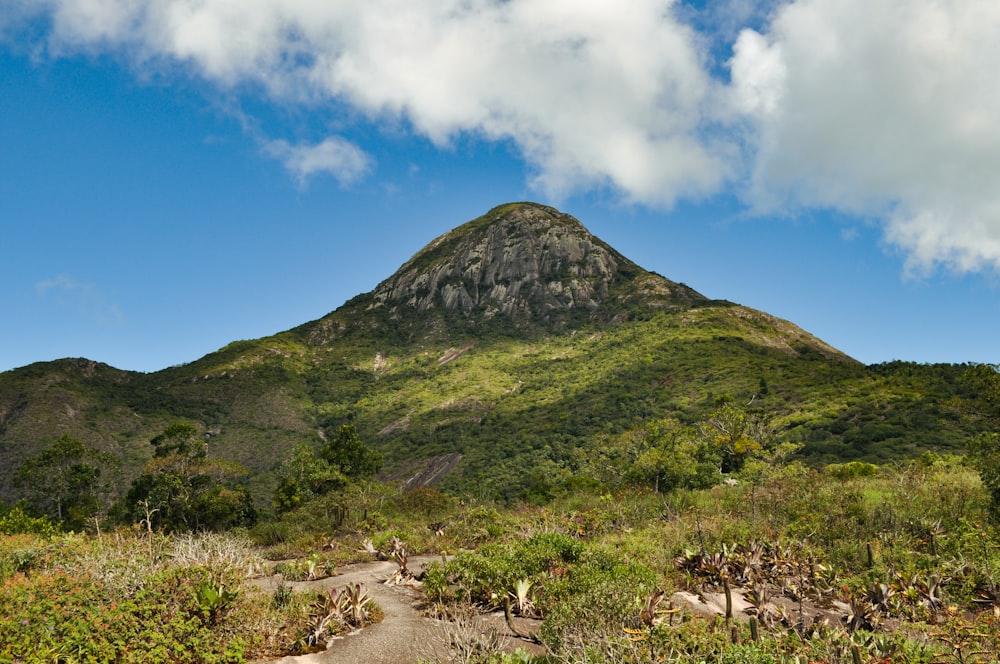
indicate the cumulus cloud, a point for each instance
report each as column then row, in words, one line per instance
column 83, row 297
column 335, row 156
column 879, row 108
column 884, row 109
column 599, row 93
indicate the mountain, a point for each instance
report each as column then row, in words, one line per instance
column 515, row 341
column 528, row 264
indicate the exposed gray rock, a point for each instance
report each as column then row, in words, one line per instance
column 524, row 261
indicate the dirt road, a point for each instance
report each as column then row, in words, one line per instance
column 403, row 637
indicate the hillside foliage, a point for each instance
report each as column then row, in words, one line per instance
column 854, row 562
column 571, row 356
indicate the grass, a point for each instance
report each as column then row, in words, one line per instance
column 899, row 565
column 133, row 597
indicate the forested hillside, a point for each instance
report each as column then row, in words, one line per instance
column 518, row 341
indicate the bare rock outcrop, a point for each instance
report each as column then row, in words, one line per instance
column 524, row 261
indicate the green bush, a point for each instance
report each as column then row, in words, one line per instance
column 984, row 456
column 597, row 597
column 747, row 654
column 17, row 522
column 482, row 524
column 180, row 615
column 486, row 575
column 851, row 470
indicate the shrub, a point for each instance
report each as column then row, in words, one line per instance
column 487, row 574
column 122, row 598
column 851, row 470
column 217, row 549
column 984, row 456
column 747, row 654
column 53, row 616
column 598, row 597
column 17, row 522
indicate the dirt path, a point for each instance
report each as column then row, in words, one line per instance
column 403, row 636
column 406, row 636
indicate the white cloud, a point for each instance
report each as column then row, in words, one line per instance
column 343, row 160
column 881, row 108
column 83, row 297
column 597, row 93
column 885, row 109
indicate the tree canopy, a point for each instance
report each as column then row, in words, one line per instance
column 350, row 455
column 62, row 482
column 181, row 488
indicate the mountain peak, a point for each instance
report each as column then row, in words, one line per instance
column 529, row 264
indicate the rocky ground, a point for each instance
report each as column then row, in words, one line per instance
column 406, row 634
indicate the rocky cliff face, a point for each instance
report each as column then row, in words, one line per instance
column 527, row 262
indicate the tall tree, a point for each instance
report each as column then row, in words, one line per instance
column 63, row 482
column 182, row 489
column 737, row 433
column 666, row 456
column 302, row 477
column 351, row 456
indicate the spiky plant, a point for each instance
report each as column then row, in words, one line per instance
column 926, row 592
column 758, row 598
column 355, row 604
column 311, row 565
column 399, row 553
column 880, row 596
column 326, row 616
column 649, row 614
column 748, row 562
column 524, row 605
column 689, row 561
column 715, row 566
column 862, row 616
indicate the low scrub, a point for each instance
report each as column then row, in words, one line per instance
column 130, row 598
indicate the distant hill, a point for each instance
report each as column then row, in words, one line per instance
column 515, row 341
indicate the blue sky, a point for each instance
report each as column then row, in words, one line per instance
column 175, row 176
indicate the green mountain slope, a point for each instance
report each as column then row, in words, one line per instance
column 518, row 340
